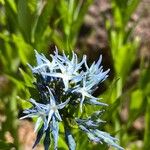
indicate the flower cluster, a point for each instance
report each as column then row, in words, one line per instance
column 65, row 87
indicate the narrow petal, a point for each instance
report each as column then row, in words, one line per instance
column 47, row 140
column 38, row 58
column 69, row 139
column 99, row 61
column 65, row 81
column 62, row 105
column 80, row 64
column 108, row 139
column 52, row 99
column 39, row 67
column 50, row 116
column 35, row 103
column 58, row 115
column 38, row 122
column 95, row 102
column 55, row 129
column 39, row 136
column 81, row 102
column 89, row 95
column 29, row 116
column 93, row 138
column 57, row 75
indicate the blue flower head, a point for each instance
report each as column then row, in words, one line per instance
column 64, row 86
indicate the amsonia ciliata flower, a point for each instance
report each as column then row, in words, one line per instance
column 66, row 86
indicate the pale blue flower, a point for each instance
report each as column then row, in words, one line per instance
column 47, row 114
column 39, row 111
column 63, row 86
column 68, row 69
column 95, row 135
column 86, row 92
column 95, row 73
column 43, row 64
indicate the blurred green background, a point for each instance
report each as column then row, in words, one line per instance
column 118, row 29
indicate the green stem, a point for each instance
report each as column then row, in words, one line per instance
column 147, row 126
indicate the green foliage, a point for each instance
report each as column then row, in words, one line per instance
column 144, row 85
column 35, row 24
column 71, row 18
column 122, row 45
column 124, row 54
column 25, row 25
column 6, row 146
